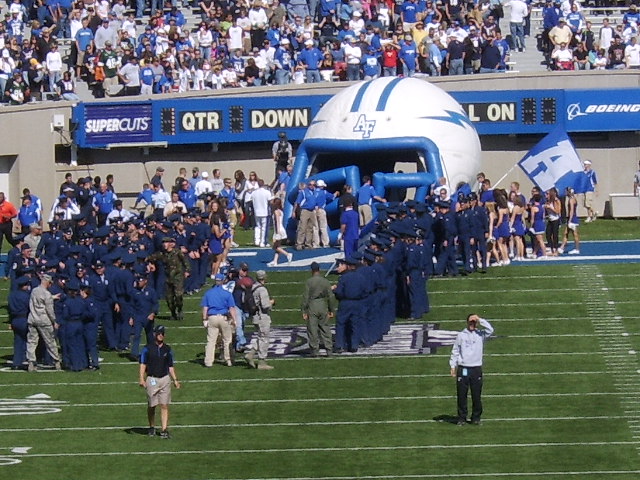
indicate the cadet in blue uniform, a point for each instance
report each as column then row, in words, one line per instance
column 123, row 281
column 447, row 229
column 145, row 306
column 349, row 290
column 104, row 300
column 18, row 311
column 349, row 229
column 465, row 234
column 480, row 232
column 74, row 311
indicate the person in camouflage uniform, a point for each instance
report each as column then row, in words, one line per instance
column 177, row 268
column 318, row 307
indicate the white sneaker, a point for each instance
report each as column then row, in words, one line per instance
column 272, row 264
column 560, row 250
column 262, row 245
column 506, row 262
column 588, row 220
column 574, row 252
column 234, row 245
column 289, row 257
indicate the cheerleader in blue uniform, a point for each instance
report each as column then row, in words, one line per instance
column 517, row 227
column 536, row 217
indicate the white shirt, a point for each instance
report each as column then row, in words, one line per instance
column 352, row 54
column 261, row 199
column 519, row 10
column 235, row 37
column 203, row 186
column 606, row 37
column 468, row 347
column 632, row 55
column 217, row 184
column 116, row 215
column 54, row 61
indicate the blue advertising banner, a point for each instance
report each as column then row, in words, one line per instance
column 602, row 110
column 104, row 124
column 243, row 118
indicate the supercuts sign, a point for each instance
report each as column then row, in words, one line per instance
column 109, row 124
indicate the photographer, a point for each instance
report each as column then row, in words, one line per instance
column 282, row 153
column 466, row 366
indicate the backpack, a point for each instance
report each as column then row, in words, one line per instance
column 249, row 305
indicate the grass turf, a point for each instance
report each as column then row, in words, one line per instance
column 560, row 400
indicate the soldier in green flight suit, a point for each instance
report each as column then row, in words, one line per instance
column 318, row 306
column 176, row 268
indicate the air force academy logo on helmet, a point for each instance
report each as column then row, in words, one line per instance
column 364, row 126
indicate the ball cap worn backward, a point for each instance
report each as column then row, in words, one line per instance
column 587, row 162
column 219, row 277
column 159, row 330
column 261, row 274
column 321, row 183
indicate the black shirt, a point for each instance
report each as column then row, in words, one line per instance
column 158, row 359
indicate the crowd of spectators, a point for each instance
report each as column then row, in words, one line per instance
column 569, row 41
column 119, row 51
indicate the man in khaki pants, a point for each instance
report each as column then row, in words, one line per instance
column 218, row 316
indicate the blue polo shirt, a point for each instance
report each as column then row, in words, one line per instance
column 306, row 199
column 218, row 301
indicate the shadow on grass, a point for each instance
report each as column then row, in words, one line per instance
column 137, row 431
column 446, row 419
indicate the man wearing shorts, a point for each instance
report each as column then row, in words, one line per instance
column 591, row 191
column 156, row 374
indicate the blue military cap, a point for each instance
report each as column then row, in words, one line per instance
column 75, row 250
column 141, row 276
column 375, row 253
column 113, row 257
column 63, row 198
column 167, row 224
column 19, row 238
column 102, row 232
column 410, row 203
column 357, row 256
column 98, row 264
column 68, row 231
column 443, row 204
column 421, row 207
column 79, row 217
column 62, row 276
column 174, row 218
column 369, row 257
column 380, row 207
column 24, row 247
column 159, row 329
column 128, row 258
column 393, row 210
column 473, row 196
column 142, row 254
column 402, row 208
column 80, row 266
column 351, row 261
column 28, row 269
column 73, row 285
column 22, row 281
column 204, row 215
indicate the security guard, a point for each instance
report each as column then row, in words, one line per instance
column 466, row 366
column 155, row 375
column 318, row 306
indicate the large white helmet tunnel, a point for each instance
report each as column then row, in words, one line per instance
column 369, row 127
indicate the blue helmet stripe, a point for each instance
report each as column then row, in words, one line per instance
column 382, row 101
column 355, row 106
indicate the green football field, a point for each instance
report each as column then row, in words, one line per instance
column 561, row 397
